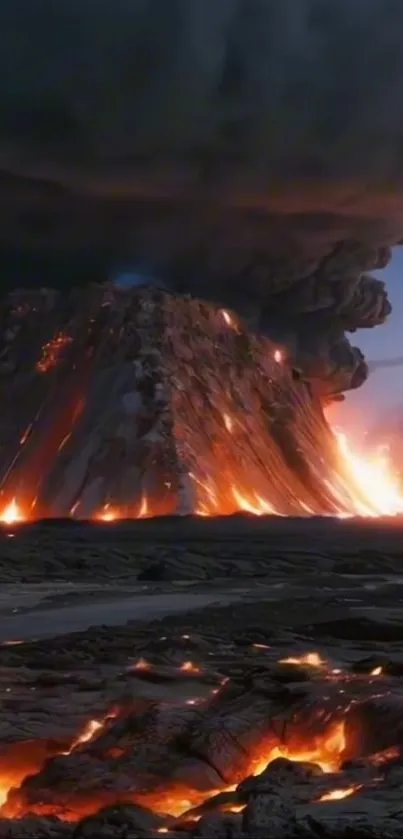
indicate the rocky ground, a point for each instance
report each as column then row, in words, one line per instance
column 134, row 730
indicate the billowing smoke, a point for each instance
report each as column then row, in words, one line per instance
column 249, row 151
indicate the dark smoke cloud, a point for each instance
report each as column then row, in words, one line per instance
column 250, row 151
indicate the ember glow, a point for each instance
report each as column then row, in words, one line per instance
column 375, row 487
column 309, row 659
column 315, row 736
column 52, row 352
column 12, row 513
column 325, row 749
column 339, row 794
column 365, row 485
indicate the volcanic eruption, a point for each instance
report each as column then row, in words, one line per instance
column 245, row 154
column 243, row 158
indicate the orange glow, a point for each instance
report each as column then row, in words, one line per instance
column 12, row 514
column 225, row 483
column 278, row 356
column 189, row 667
column 310, row 659
column 326, row 749
column 88, row 733
column 142, row 664
column 373, row 487
column 339, row 794
column 377, row 671
column 52, row 351
column 108, row 514
column 228, row 318
column 143, row 511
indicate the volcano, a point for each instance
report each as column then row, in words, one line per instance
column 127, row 403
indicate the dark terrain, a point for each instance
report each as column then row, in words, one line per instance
column 278, row 588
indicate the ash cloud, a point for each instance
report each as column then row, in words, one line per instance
column 247, row 151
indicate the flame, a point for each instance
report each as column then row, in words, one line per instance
column 374, row 488
column 88, row 733
column 12, row 513
column 310, row 659
column 143, row 511
column 339, row 794
column 52, row 351
column 107, row 514
column 278, row 356
column 325, row 749
column 228, row 318
column 189, row 667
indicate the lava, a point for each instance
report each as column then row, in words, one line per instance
column 52, row 352
column 316, row 736
column 325, row 749
column 12, row 513
column 339, row 794
column 374, row 486
column 309, row 659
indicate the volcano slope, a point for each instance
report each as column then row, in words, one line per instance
column 130, row 403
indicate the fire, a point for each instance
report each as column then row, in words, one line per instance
column 310, row 659
column 339, row 794
column 374, row 488
column 12, row 513
column 87, row 734
column 228, row 318
column 108, row 514
column 189, row 667
column 325, row 749
column 278, row 356
column 52, row 351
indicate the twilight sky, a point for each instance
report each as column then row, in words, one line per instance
column 383, row 390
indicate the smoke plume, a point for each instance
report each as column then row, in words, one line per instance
column 247, row 151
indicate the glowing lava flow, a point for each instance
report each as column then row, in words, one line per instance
column 12, row 514
column 363, row 485
column 372, row 484
column 325, row 749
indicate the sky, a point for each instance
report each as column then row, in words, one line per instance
column 383, row 392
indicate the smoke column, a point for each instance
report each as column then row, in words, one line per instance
column 246, row 151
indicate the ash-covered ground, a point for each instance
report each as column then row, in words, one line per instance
column 125, row 729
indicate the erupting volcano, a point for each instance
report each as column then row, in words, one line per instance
column 243, row 159
column 136, row 403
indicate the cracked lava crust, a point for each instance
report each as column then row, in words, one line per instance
column 189, row 751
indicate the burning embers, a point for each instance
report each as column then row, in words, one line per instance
column 303, row 736
column 143, row 404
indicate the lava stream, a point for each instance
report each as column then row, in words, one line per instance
column 325, row 749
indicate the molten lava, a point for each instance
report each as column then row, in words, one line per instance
column 12, row 513
column 368, row 488
column 325, row 749
column 313, row 735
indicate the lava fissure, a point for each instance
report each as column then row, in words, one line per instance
column 176, row 765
